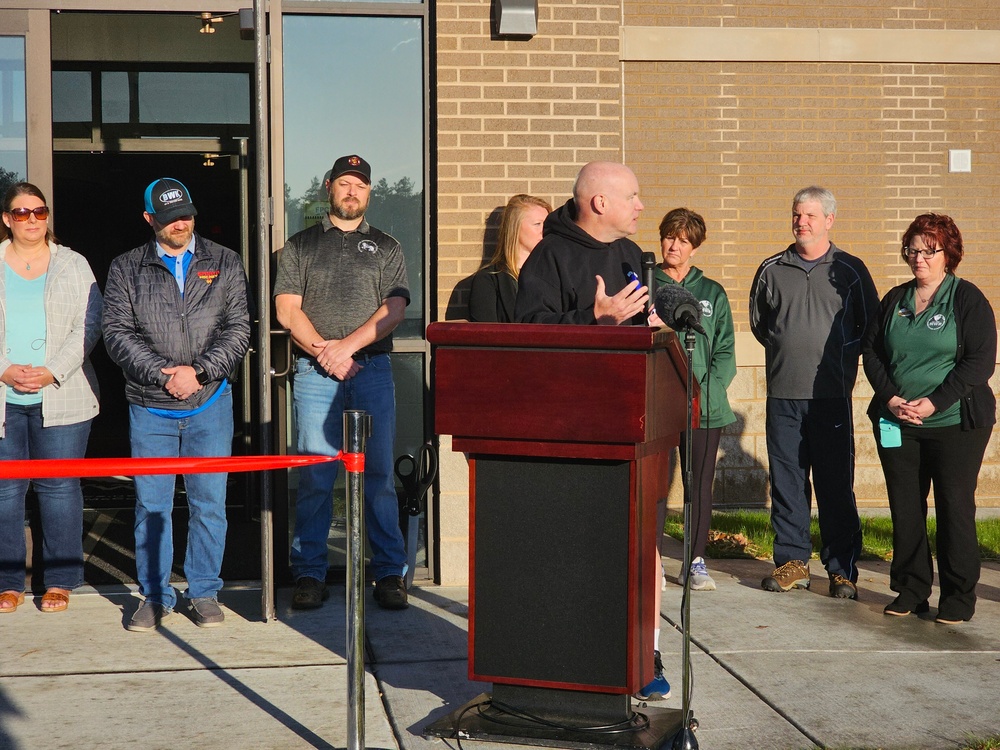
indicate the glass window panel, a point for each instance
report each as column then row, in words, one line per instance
column 114, row 97
column 13, row 125
column 355, row 85
column 194, row 98
column 71, row 96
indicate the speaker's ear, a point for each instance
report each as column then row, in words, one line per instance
column 515, row 17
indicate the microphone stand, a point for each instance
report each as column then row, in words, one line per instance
column 684, row 739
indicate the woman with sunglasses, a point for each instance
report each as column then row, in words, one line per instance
column 50, row 319
column 929, row 356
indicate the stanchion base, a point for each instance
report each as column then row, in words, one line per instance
column 477, row 720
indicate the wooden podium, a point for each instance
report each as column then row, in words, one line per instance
column 568, row 431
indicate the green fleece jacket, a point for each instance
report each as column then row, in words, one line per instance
column 717, row 348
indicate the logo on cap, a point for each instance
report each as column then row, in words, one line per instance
column 171, row 195
column 354, row 161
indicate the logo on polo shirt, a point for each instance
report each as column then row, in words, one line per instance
column 706, row 308
column 367, row 246
column 936, row 323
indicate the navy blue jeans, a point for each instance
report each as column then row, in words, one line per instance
column 817, row 436
column 60, row 501
column 319, row 403
column 209, row 433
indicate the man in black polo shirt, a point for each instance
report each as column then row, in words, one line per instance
column 341, row 289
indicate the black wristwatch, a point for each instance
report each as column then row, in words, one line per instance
column 201, row 376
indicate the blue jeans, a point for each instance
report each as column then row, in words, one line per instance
column 60, row 501
column 209, row 433
column 319, row 403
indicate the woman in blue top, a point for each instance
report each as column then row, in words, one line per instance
column 714, row 362
column 929, row 356
column 50, row 319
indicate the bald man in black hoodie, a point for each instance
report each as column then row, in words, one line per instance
column 575, row 274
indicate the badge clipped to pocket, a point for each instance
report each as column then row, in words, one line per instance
column 889, row 434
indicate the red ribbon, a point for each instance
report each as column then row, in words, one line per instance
column 110, row 467
column 353, row 462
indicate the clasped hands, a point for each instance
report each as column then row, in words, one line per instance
column 911, row 412
column 27, row 379
column 337, row 359
column 183, row 381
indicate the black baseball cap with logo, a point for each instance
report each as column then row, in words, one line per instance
column 351, row 164
column 168, row 199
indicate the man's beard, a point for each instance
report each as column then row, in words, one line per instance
column 347, row 213
column 174, row 240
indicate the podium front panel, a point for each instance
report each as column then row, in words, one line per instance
column 553, row 573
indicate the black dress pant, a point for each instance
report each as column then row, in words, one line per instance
column 705, row 453
column 948, row 459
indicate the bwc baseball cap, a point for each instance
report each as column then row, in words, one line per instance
column 352, row 164
column 168, row 199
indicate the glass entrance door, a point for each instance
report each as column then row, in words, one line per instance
column 356, row 84
column 136, row 97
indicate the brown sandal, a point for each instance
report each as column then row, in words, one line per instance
column 10, row 601
column 55, row 600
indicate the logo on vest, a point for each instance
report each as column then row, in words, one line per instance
column 706, row 308
column 367, row 246
column 208, row 276
column 936, row 323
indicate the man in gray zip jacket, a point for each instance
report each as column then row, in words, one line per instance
column 810, row 306
column 176, row 321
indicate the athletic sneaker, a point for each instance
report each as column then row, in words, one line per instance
column 659, row 688
column 793, row 574
column 700, row 579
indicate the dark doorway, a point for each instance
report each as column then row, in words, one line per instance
column 97, row 207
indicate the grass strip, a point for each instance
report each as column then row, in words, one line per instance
column 748, row 533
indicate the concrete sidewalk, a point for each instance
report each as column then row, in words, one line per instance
column 771, row 671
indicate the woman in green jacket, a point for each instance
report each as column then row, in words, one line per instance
column 681, row 233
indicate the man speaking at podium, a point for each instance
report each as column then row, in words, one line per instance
column 577, row 273
column 580, row 274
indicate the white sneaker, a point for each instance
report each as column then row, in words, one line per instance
column 700, row 579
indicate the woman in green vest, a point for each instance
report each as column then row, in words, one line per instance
column 929, row 356
column 714, row 362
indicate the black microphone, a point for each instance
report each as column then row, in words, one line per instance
column 678, row 308
column 648, row 280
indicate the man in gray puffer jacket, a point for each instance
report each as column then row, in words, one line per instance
column 176, row 321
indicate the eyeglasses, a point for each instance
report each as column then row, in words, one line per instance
column 21, row 214
column 926, row 253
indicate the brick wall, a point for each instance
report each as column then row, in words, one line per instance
column 857, row 14
column 517, row 117
column 732, row 140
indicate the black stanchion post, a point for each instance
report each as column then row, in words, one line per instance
column 357, row 429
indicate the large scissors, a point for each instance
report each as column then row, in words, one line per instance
column 421, row 470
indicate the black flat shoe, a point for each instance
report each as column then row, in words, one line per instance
column 898, row 609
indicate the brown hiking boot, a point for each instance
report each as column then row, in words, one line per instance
column 793, row 574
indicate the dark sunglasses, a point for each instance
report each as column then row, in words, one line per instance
column 21, row 214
